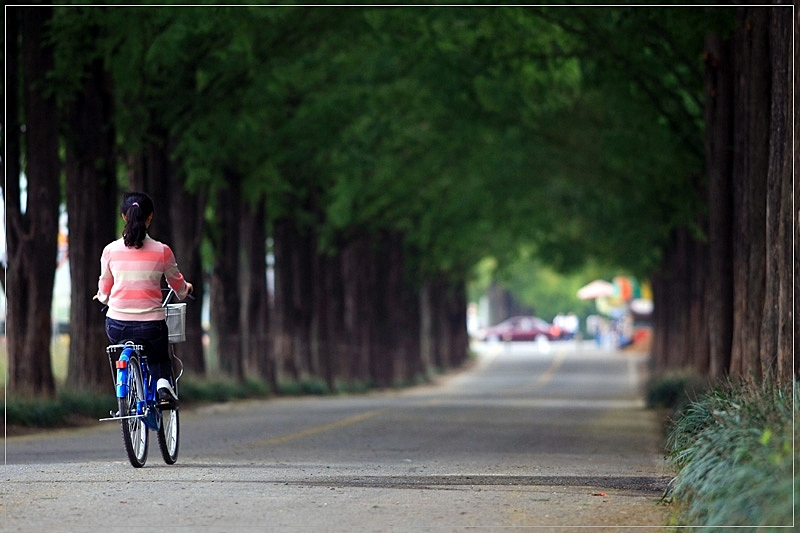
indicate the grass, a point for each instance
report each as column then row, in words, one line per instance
column 67, row 409
column 205, row 390
column 733, row 451
column 674, row 390
column 71, row 408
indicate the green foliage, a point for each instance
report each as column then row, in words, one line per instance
column 674, row 391
column 538, row 285
column 353, row 387
column 194, row 389
column 315, row 387
column 67, row 409
column 734, row 452
column 429, row 152
column 79, row 408
column 72, row 408
column 573, row 134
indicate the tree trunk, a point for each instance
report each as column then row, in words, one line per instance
column 661, row 336
column 381, row 313
column 152, row 174
column 410, row 364
column 327, row 324
column 719, row 158
column 457, row 324
column 320, row 330
column 672, row 290
column 750, row 169
column 33, row 231
column 12, row 158
column 796, row 213
column 279, row 324
column 339, row 350
column 91, row 188
column 187, row 223
column 395, row 305
column 384, row 333
column 427, row 328
column 447, row 341
column 443, row 341
column 225, row 287
column 699, row 356
column 358, row 283
column 293, row 294
column 255, row 299
column 776, row 333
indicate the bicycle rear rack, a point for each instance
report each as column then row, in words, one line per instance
column 145, row 408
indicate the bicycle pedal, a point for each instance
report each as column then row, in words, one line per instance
column 168, row 405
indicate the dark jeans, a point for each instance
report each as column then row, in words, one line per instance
column 153, row 335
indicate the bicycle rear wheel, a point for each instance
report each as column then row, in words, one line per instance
column 134, row 431
column 168, row 435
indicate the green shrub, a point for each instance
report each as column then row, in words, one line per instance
column 193, row 389
column 315, row 387
column 733, row 452
column 71, row 408
column 67, row 409
column 74, row 408
column 353, row 387
column 674, row 390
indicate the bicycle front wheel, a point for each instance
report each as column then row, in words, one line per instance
column 134, row 431
column 168, row 435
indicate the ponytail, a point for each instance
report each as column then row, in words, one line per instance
column 137, row 208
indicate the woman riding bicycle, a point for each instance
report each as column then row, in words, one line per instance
column 131, row 269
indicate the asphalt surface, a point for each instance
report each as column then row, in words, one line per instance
column 553, row 437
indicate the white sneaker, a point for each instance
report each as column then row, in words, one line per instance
column 165, row 390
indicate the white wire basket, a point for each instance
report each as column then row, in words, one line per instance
column 176, row 322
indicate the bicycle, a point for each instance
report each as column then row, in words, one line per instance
column 139, row 407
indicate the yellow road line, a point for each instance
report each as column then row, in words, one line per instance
column 553, row 368
column 546, row 376
column 542, row 380
column 320, row 429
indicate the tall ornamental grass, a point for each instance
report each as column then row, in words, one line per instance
column 734, row 454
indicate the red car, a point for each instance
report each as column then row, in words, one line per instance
column 521, row 328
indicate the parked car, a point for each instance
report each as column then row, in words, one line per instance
column 521, row 328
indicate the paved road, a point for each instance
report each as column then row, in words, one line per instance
column 531, row 435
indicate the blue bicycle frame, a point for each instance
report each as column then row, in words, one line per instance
column 145, row 409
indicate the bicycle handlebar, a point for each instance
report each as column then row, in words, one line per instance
column 170, row 292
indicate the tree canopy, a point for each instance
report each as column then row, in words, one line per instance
column 469, row 130
column 438, row 136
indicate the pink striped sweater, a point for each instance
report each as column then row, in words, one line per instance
column 130, row 279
